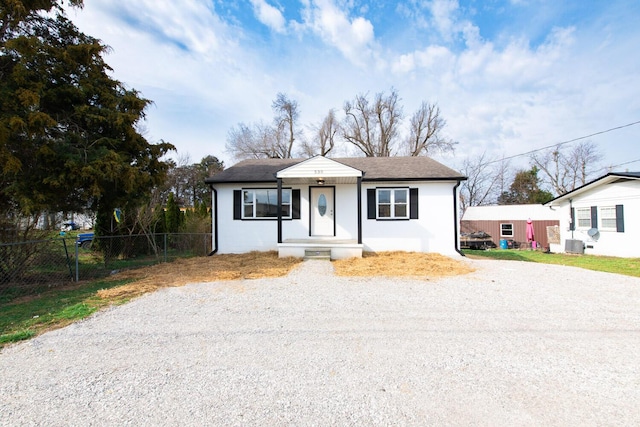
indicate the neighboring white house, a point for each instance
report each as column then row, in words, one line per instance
column 601, row 217
column 336, row 206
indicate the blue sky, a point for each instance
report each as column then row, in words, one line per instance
column 509, row 76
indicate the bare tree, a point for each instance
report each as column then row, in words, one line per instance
column 585, row 157
column 242, row 142
column 358, row 126
column 324, row 136
column 286, row 111
column 485, row 182
column 261, row 140
column 425, row 129
column 566, row 170
column 257, row 141
column 373, row 128
column 327, row 133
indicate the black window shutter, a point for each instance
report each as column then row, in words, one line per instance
column 237, row 204
column 413, row 203
column 573, row 219
column 620, row 218
column 594, row 217
column 295, row 204
column 371, row 203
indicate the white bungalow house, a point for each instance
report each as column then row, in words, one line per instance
column 336, row 207
column 601, row 217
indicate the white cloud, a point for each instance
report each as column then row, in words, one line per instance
column 188, row 23
column 352, row 37
column 431, row 59
column 488, row 95
column 443, row 17
column 269, row 15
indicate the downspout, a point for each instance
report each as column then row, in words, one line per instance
column 359, row 196
column 279, row 211
column 572, row 226
column 215, row 220
column 455, row 219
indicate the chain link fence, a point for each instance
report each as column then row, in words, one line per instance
column 28, row 268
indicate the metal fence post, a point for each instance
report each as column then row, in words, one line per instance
column 77, row 262
column 165, row 247
column 66, row 252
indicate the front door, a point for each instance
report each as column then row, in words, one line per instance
column 322, row 218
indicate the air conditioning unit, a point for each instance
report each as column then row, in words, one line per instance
column 574, row 246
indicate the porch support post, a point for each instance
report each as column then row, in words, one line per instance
column 359, row 196
column 279, row 210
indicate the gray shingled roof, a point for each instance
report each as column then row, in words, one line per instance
column 374, row 169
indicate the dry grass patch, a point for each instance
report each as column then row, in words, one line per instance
column 401, row 264
column 252, row 265
column 255, row 265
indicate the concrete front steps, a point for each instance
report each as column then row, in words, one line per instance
column 319, row 253
column 320, row 248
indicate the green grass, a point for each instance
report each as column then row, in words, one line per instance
column 16, row 336
column 23, row 318
column 626, row 266
column 27, row 317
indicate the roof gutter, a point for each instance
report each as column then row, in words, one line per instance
column 456, row 241
column 214, row 212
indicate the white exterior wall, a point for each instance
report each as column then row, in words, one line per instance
column 346, row 211
column 433, row 231
column 238, row 236
column 610, row 243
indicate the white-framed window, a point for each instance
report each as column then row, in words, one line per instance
column 392, row 203
column 583, row 217
column 263, row 203
column 506, row 230
column 607, row 218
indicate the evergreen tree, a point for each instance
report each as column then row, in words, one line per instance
column 68, row 131
column 203, row 210
column 525, row 189
column 159, row 225
column 173, row 215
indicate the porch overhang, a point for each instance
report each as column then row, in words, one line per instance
column 320, row 171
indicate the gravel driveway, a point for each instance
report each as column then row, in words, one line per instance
column 510, row 344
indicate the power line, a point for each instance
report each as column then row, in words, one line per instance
column 621, row 164
column 565, row 142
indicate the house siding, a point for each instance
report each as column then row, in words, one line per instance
column 489, row 218
column 433, row 231
column 492, row 227
column 609, row 242
column 238, row 236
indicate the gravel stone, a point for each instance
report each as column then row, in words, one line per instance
column 512, row 343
